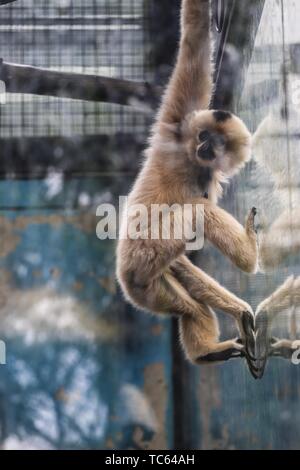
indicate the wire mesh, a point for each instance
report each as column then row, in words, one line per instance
column 85, row 36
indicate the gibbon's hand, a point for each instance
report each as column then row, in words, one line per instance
column 250, row 225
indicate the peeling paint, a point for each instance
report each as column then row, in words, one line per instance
column 10, row 228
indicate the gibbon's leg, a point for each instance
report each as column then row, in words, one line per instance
column 198, row 325
column 190, row 87
column 163, row 293
column 238, row 243
column 199, row 336
column 204, row 289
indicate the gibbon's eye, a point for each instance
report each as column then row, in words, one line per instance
column 204, row 136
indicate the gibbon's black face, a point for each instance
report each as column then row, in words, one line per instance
column 218, row 140
column 210, row 144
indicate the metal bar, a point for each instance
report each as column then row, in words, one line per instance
column 39, row 81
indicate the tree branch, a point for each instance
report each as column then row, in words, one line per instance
column 38, row 81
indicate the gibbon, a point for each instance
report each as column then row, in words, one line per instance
column 285, row 299
column 192, row 150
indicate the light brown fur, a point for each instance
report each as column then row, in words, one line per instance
column 155, row 275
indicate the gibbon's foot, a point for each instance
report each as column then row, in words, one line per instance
column 221, row 356
column 284, row 348
column 250, row 222
column 237, row 350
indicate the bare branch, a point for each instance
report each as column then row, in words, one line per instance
column 38, row 81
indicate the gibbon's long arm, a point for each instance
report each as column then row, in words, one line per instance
column 236, row 242
column 190, row 87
